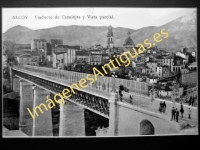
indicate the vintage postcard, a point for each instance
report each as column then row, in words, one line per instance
column 91, row 72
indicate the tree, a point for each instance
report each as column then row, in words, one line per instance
column 9, row 52
column 6, row 74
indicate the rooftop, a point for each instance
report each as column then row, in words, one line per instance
column 25, row 55
column 194, row 63
column 151, row 77
column 178, row 57
column 57, row 41
column 158, row 57
column 68, row 47
column 82, row 53
column 105, row 54
column 37, row 53
column 39, row 40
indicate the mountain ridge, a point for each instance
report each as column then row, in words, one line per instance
column 182, row 33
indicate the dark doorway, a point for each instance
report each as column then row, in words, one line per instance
column 146, row 128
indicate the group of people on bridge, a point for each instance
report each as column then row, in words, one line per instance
column 175, row 113
column 162, row 107
column 191, row 101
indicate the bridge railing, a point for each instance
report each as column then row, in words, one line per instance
column 141, row 103
column 99, row 87
column 103, row 85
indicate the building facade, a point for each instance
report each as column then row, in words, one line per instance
column 64, row 54
column 39, row 44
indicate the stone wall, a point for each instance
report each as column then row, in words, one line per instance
column 156, row 104
column 129, row 122
column 189, row 78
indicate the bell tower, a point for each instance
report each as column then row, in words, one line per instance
column 110, row 42
column 128, row 43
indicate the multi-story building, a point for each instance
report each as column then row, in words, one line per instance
column 151, row 79
column 165, row 71
column 54, row 43
column 178, row 63
column 140, row 67
column 159, row 59
column 105, row 58
column 34, row 58
column 39, row 44
column 189, row 58
column 37, row 57
column 168, row 61
column 152, row 65
column 82, row 57
column 95, row 59
column 159, row 71
column 24, row 59
column 64, row 54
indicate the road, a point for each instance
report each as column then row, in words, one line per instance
column 153, row 106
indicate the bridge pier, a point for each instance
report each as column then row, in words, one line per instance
column 114, row 114
column 42, row 124
column 26, row 101
column 72, row 120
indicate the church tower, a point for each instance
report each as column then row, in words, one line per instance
column 128, row 43
column 110, row 42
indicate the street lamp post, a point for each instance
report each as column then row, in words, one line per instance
column 175, row 93
column 152, row 94
column 173, row 98
column 113, row 85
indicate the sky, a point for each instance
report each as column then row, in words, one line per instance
column 133, row 18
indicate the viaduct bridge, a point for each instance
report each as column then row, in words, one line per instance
column 127, row 116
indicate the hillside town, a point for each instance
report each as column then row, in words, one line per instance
column 161, row 69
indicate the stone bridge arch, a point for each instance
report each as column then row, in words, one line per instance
column 146, row 128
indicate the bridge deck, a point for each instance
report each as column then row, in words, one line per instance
column 146, row 104
column 97, row 90
column 139, row 101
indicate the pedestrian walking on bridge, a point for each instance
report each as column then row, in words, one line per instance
column 173, row 113
column 177, row 114
column 192, row 101
column 181, row 110
column 160, row 108
column 189, row 113
column 164, row 106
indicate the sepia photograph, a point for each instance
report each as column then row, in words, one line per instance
column 99, row 72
